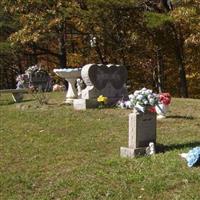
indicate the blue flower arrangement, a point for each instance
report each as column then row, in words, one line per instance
column 193, row 157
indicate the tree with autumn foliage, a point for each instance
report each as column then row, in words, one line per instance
column 158, row 44
column 44, row 27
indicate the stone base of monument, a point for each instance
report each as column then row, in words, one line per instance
column 83, row 104
column 131, row 153
column 161, row 117
column 69, row 101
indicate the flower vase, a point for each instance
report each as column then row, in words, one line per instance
column 161, row 110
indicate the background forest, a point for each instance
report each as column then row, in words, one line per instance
column 159, row 46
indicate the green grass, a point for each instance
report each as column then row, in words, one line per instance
column 54, row 152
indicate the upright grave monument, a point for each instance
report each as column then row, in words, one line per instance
column 40, row 79
column 142, row 132
column 106, row 80
column 36, row 78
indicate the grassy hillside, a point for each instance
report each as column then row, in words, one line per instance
column 54, row 152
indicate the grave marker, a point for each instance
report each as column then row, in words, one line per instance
column 106, row 80
column 142, row 131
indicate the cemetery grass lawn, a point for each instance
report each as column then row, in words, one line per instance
column 53, row 152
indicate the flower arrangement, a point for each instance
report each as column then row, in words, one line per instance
column 192, row 157
column 163, row 104
column 124, row 104
column 22, row 81
column 165, row 98
column 144, row 100
column 32, row 69
column 102, row 101
column 141, row 100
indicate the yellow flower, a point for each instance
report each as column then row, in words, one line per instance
column 102, row 99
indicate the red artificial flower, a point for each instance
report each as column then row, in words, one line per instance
column 165, row 98
column 152, row 109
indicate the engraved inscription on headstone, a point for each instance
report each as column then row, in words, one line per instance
column 146, row 129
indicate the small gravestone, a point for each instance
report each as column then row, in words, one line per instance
column 106, row 80
column 36, row 78
column 142, row 132
column 40, row 79
column 17, row 97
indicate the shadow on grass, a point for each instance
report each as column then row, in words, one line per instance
column 27, row 100
column 180, row 117
column 7, row 102
column 160, row 148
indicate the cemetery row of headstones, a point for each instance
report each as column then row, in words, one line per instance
column 97, row 81
column 106, row 80
column 109, row 81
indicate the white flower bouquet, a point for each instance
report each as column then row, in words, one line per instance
column 143, row 100
column 32, row 69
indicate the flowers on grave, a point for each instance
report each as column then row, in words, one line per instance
column 32, row 69
column 102, row 101
column 22, row 81
column 124, row 104
column 165, row 98
column 163, row 104
column 192, row 157
column 141, row 100
column 144, row 100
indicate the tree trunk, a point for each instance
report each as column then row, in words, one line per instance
column 20, row 68
column 13, row 80
column 101, row 57
column 182, row 75
column 62, row 45
column 34, row 57
column 160, row 70
column 6, row 80
column 180, row 60
column 62, row 51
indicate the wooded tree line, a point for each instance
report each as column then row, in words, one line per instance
column 159, row 43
